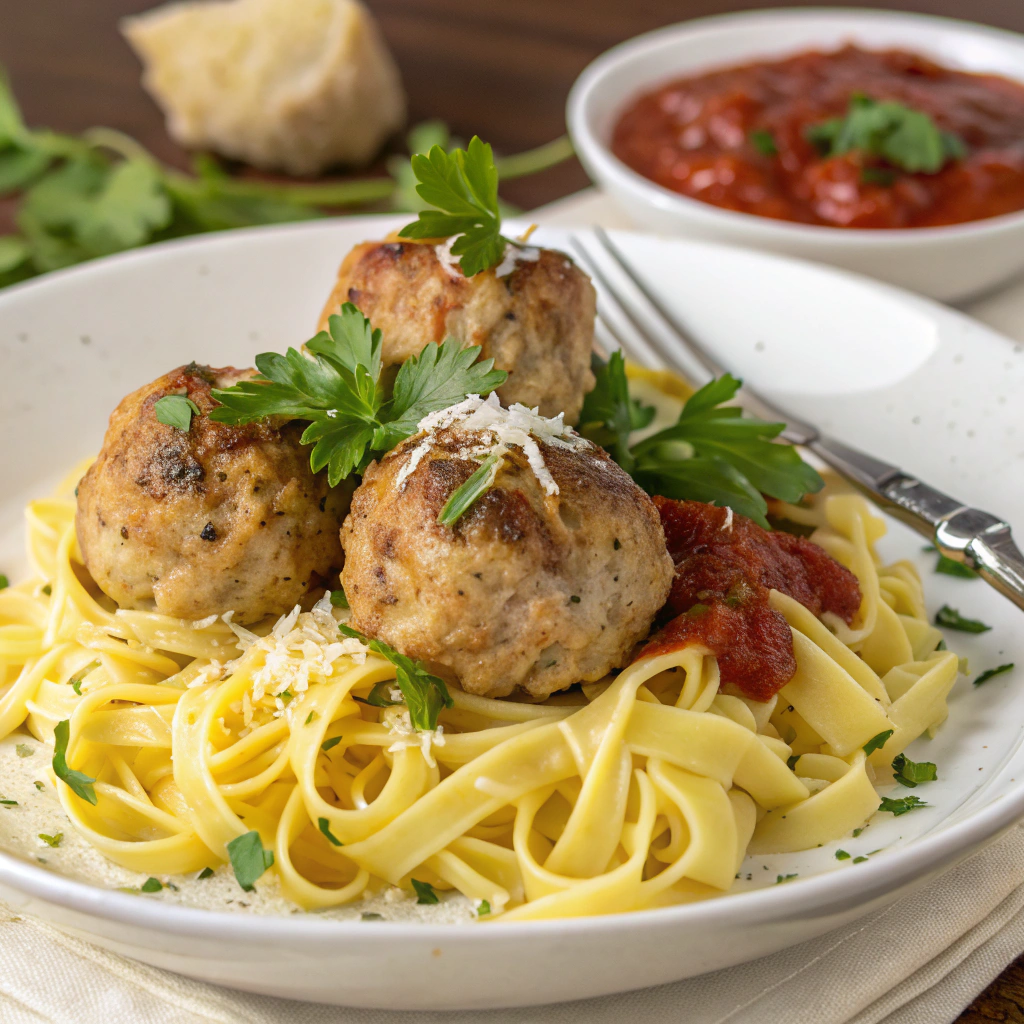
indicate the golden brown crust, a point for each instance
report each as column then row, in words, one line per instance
column 215, row 518
column 527, row 589
column 536, row 322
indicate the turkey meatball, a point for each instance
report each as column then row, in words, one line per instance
column 535, row 320
column 214, row 518
column 529, row 588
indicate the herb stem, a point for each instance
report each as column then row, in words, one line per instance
column 533, row 160
column 340, row 193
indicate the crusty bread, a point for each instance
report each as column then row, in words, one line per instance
column 296, row 85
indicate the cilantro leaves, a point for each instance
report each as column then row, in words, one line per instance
column 340, row 392
column 78, row 782
column 425, row 694
column 249, row 859
column 713, row 452
column 462, row 186
column 906, row 138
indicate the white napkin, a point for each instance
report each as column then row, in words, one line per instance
column 920, row 961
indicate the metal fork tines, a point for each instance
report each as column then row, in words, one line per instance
column 635, row 319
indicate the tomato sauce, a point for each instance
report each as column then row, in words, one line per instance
column 725, row 566
column 698, row 136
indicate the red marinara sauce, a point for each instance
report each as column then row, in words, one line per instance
column 725, row 566
column 694, row 136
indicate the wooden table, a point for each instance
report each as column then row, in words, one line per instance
column 498, row 69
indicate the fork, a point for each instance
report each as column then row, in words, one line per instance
column 977, row 539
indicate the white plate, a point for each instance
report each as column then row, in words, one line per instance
column 897, row 375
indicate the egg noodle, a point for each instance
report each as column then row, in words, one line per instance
column 644, row 790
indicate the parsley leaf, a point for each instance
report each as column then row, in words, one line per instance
column 78, row 782
column 904, row 137
column 609, row 415
column 24, row 750
column 901, row 806
column 764, row 142
column 377, row 697
column 330, row 744
column 910, row 773
column 465, row 494
column 325, row 827
column 204, row 874
column 779, row 879
column 176, row 411
column 340, row 392
column 842, row 855
column 948, row 567
column 425, row 694
column 52, row 841
column 484, row 907
column 338, row 598
column 75, row 682
column 249, row 859
column 152, row 885
column 877, row 742
column 424, row 892
column 990, row 673
column 713, row 453
column 462, row 186
column 952, row 619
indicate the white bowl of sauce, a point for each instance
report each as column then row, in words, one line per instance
column 885, row 143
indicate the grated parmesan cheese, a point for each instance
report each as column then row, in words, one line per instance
column 400, row 726
column 727, row 525
column 516, row 426
column 512, row 255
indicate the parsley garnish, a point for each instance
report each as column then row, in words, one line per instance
column 424, row 892
column 369, row 915
column 483, row 907
column 462, row 186
column 75, row 682
column 465, row 494
column 713, row 453
column 9, row 803
column 338, row 598
column 425, row 694
column 339, row 391
column 783, row 878
column 23, row 750
column 38, row 785
column 901, row 805
column 176, row 411
column 842, row 855
column 325, row 827
column 78, row 782
column 205, row 873
column 249, row 859
column 857, row 831
column 990, row 673
column 911, row 773
column 948, row 567
column 764, row 142
column 906, row 138
column 53, row 841
column 952, row 619
column 791, row 761
column 859, row 860
column 609, row 415
column 378, row 697
column 152, row 885
column 877, row 742
column 332, row 742
column 4, row 581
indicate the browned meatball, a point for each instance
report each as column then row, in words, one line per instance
column 536, row 322
column 527, row 589
column 216, row 518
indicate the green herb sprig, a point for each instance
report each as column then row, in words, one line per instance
column 352, row 419
column 713, row 452
column 425, row 694
column 912, row 773
column 461, row 187
column 79, row 783
column 900, row 135
column 249, row 859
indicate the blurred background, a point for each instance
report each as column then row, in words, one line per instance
column 498, row 69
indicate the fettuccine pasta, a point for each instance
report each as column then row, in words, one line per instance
column 643, row 790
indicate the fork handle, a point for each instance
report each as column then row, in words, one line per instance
column 978, row 539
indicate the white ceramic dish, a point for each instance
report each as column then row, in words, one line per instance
column 899, row 375
column 948, row 263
